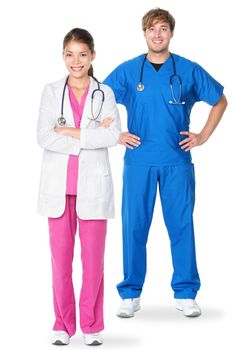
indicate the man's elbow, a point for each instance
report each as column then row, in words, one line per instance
column 225, row 103
column 222, row 103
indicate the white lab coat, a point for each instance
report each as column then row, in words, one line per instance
column 95, row 197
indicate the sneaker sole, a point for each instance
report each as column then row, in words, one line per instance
column 59, row 342
column 194, row 314
column 124, row 315
column 94, row 343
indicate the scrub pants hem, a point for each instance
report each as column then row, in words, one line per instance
column 71, row 334
column 130, row 295
column 185, row 295
column 89, row 330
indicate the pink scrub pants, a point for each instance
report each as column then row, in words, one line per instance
column 92, row 235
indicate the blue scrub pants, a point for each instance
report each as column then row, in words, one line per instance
column 177, row 191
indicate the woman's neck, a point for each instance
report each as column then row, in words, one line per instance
column 79, row 83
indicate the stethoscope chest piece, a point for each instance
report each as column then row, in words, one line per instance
column 61, row 121
column 140, row 87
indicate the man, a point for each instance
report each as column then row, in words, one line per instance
column 159, row 90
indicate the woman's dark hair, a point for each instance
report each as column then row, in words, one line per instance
column 83, row 36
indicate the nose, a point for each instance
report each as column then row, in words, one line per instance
column 157, row 33
column 76, row 59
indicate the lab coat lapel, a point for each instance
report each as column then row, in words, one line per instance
column 87, row 108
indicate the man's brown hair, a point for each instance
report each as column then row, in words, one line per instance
column 160, row 15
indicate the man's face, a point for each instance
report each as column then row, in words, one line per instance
column 158, row 36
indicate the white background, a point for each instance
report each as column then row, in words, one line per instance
column 31, row 44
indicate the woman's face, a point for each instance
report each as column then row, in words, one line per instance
column 78, row 58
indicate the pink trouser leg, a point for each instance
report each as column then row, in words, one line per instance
column 92, row 236
column 62, row 237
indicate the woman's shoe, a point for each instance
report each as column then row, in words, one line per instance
column 60, row 338
column 93, row 338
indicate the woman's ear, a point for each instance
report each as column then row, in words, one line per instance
column 93, row 55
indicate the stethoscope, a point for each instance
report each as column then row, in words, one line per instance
column 62, row 121
column 176, row 101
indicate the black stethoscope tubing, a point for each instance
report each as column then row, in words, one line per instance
column 140, row 86
column 62, row 121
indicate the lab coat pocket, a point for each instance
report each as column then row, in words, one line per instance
column 93, row 183
column 106, row 183
column 99, row 180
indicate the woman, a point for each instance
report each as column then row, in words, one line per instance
column 76, row 184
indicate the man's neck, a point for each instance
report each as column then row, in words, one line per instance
column 158, row 57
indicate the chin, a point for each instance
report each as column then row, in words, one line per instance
column 157, row 50
column 77, row 75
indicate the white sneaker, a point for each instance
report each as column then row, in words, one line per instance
column 128, row 307
column 60, row 338
column 189, row 307
column 93, row 339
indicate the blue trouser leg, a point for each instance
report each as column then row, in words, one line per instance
column 139, row 192
column 177, row 191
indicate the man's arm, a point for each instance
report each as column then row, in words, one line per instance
column 215, row 115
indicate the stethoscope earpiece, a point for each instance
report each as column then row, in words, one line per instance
column 177, row 102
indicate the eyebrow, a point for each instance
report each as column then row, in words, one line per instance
column 74, row 52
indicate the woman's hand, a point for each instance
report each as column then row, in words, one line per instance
column 61, row 131
column 106, row 122
column 129, row 140
column 192, row 140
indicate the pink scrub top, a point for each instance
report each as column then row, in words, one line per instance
column 72, row 168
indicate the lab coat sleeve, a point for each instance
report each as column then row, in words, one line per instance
column 103, row 137
column 46, row 136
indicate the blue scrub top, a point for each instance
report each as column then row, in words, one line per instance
column 151, row 116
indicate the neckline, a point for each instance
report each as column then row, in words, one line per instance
column 79, row 103
column 165, row 63
column 157, row 66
